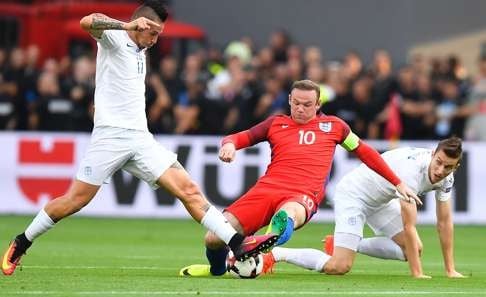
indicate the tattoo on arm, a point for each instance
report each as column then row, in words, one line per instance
column 101, row 22
column 205, row 207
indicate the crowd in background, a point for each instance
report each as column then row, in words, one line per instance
column 218, row 91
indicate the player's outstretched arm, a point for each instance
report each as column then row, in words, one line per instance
column 445, row 228
column 244, row 139
column 409, row 217
column 96, row 23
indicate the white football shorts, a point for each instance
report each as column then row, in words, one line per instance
column 113, row 148
column 351, row 213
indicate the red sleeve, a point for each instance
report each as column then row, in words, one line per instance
column 255, row 134
column 373, row 160
column 346, row 131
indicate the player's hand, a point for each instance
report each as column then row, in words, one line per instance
column 405, row 193
column 423, row 276
column 454, row 274
column 141, row 24
column 227, row 152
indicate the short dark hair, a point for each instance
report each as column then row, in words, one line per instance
column 452, row 147
column 307, row 85
column 154, row 10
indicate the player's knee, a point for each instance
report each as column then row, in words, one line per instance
column 212, row 241
column 343, row 268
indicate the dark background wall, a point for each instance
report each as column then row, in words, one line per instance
column 337, row 25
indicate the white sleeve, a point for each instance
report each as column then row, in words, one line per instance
column 444, row 192
column 110, row 39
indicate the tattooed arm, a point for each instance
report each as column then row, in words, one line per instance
column 96, row 23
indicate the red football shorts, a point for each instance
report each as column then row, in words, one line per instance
column 256, row 207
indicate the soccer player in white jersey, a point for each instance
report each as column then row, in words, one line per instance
column 121, row 140
column 362, row 197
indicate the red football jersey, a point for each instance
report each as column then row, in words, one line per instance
column 301, row 154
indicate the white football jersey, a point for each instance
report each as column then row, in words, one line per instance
column 410, row 164
column 120, row 82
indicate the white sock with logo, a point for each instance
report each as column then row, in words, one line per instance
column 311, row 259
column 40, row 225
column 215, row 222
column 381, row 247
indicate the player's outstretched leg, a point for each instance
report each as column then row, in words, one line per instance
column 77, row 197
column 16, row 249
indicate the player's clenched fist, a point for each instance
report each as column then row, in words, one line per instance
column 227, row 152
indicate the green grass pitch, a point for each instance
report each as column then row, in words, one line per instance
column 133, row 257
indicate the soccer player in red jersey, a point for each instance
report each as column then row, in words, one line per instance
column 290, row 191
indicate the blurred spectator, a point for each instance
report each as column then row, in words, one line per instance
column 352, row 66
column 239, row 50
column 249, row 43
column 294, row 52
column 265, row 62
column 295, row 69
column 476, row 124
column 51, row 108
column 14, row 89
column 187, row 108
column 451, row 111
column 215, row 62
column 162, row 93
column 279, row 44
column 273, row 101
column 365, row 111
column 385, row 83
column 8, row 90
column 193, row 67
column 313, row 56
column 342, row 104
column 419, row 64
column 414, row 107
column 281, row 73
column 226, row 83
column 170, row 76
column 79, row 87
column 247, row 100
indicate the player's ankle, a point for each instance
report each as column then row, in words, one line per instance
column 236, row 241
column 22, row 242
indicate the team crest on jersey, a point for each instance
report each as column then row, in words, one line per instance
column 325, row 127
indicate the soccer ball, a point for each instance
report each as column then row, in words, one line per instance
column 250, row 268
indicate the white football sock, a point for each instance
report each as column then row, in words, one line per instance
column 311, row 259
column 40, row 225
column 215, row 222
column 381, row 247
